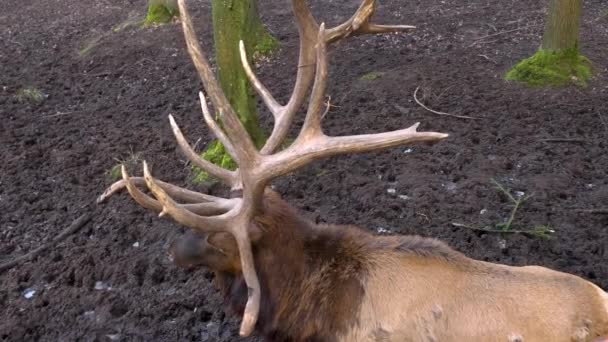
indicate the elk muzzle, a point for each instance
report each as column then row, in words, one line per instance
column 216, row 251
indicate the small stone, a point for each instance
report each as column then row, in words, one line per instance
column 101, row 286
column 404, row 197
column 136, row 244
column 391, row 191
column 29, row 293
column 383, row 230
column 113, row 337
column 519, row 193
column 502, row 244
column 483, row 211
column 408, row 151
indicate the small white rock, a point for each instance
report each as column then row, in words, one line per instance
column 100, row 286
column 382, row 230
column 29, row 293
column 590, row 186
column 136, row 244
column 502, row 244
column 391, row 191
column 519, row 193
column 483, row 211
column 404, row 197
column 409, row 150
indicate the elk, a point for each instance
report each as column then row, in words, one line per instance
column 293, row 280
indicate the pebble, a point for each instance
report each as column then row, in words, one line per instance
column 29, row 293
column 100, row 286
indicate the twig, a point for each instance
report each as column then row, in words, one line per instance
column 503, row 32
column 489, row 59
column 564, row 140
column 60, row 114
column 74, row 227
column 439, row 113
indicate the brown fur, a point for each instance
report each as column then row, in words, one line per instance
column 340, row 283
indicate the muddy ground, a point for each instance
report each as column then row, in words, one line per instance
column 107, row 87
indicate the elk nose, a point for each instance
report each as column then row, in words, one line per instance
column 186, row 251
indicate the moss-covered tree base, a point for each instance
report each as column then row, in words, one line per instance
column 552, row 68
column 161, row 12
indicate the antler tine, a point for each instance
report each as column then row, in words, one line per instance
column 322, row 146
column 184, row 216
column 359, row 24
column 173, row 190
column 245, row 149
column 252, row 308
column 312, row 123
column 215, row 128
column 206, row 208
column 227, row 176
column 270, row 102
column 139, row 197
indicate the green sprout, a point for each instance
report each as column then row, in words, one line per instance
column 540, row 231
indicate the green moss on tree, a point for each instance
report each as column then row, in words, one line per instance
column 215, row 153
column 266, row 44
column 233, row 21
column 552, row 68
column 161, row 12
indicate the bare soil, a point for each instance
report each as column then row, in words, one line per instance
column 107, row 90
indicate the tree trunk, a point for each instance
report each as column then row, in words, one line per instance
column 563, row 24
column 235, row 20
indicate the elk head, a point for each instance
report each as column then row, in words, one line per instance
column 231, row 221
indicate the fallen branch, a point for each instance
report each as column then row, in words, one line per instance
column 74, row 227
column 502, row 32
column 439, row 113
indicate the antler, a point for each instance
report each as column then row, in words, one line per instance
column 257, row 168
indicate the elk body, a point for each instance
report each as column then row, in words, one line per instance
column 292, row 280
column 341, row 283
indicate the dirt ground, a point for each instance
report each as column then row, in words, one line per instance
column 105, row 89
